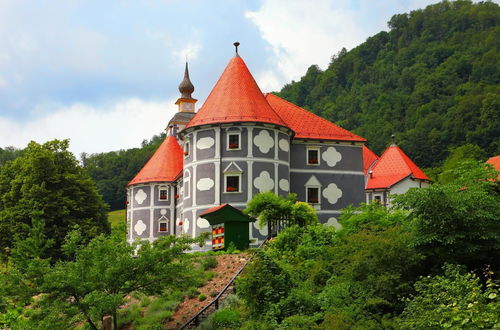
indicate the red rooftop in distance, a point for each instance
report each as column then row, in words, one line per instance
column 307, row 125
column 235, row 98
column 393, row 166
column 164, row 166
column 369, row 158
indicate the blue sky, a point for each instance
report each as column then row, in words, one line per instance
column 105, row 73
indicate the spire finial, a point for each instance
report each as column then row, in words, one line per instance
column 186, row 87
column 393, row 138
column 236, row 44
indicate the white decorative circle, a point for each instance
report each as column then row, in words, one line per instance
column 205, row 143
column 140, row 227
column 163, row 211
column 140, row 196
column 185, row 225
column 334, row 223
column 263, row 141
column 331, row 156
column 264, row 182
column 203, row 223
column 262, row 231
column 284, row 185
column 205, row 184
column 332, row 193
column 283, row 144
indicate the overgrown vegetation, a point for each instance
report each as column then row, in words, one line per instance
column 430, row 262
column 433, row 80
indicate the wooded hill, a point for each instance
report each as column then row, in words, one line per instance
column 432, row 80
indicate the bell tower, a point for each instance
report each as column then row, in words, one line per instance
column 186, row 102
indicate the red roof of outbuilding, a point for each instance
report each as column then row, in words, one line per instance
column 307, row 125
column 235, row 98
column 495, row 161
column 164, row 166
column 393, row 166
column 369, row 157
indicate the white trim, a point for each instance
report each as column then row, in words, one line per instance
column 194, row 223
column 217, row 183
column 236, row 165
column 250, row 142
column 193, row 193
column 217, row 143
column 314, row 205
column 276, row 179
column 276, row 148
column 186, row 181
column 329, row 211
column 228, row 134
column 250, row 178
column 235, row 159
column 318, row 150
column 195, row 135
column 151, row 211
column 306, row 170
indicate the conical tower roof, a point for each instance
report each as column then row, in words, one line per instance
column 164, row 166
column 236, row 98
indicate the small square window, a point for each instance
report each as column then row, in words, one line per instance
column 232, row 183
column 163, row 193
column 163, row 226
column 233, row 141
column 313, row 195
column 312, row 156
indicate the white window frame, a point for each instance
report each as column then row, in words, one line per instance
column 160, row 188
column 228, row 134
column 239, row 184
column 164, row 220
column 318, row 149
column 319, row 195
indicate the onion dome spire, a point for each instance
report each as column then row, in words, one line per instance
column 186, row 86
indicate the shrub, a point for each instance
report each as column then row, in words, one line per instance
column 202, row 297
column 209, row 262
column 192, row 292
column 226, row 318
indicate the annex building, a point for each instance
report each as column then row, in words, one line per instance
column 239, row 143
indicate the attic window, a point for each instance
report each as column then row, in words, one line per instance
column 163, row 193
column 233, row 141
column 313, row 195
column 313, row 156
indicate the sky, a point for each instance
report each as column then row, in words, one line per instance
column 105, row 74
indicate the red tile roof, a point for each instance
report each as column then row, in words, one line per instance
column 235, row 98
column 369, row 157
column 495, row 161
column 164, row 166
column 213, row 209
column 393, row 166
column 307, row 125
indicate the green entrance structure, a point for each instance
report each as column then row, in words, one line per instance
column 229, row 225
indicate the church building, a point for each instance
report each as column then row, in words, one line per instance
column 239, row 143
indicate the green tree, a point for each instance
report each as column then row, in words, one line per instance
column 457, row 222
column 47, row 182
column 454, row 300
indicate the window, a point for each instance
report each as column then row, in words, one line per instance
column 233, row 141
column 163, row 193
column 313, row 195
column 163, row 226
column 233, row 183
column 186, row 148
column 312, row 156
column 378, row 199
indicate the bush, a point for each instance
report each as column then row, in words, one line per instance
column 226, row 318
column 202, row 297
column 192, row 292
column 209, row 262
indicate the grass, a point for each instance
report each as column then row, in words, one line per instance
column 116, row 217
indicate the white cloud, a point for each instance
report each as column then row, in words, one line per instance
column 189, row 52
column 301, row 33
column 124, row 124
